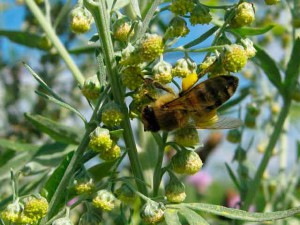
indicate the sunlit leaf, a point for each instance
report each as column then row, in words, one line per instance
column 252, row 31
column 192, row 217
column 17, row 146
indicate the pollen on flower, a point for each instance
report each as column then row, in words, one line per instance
column 182, row 7
column 183, row 68
column 84, row 188
column 189, row 81
column 151, row 47
column 104, row 200
column 35, row 208
column 244, row 16
column 131, row 77
column 234, row 58
column 100, row 140
column 112, row 117
column 162, row 72
column 111, row 154
column 121, row 31
column 81, row 20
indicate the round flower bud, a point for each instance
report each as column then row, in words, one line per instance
column 234, row 58
column 189, row 81
column 152, row 212
column 249, row 48
column 253, row 109
column 250, row 120
column 104, row 200
column 91, row 88
column 130, row 56
column 200, row 15
column 234, row 136
column 186, row 162
column 175, row 191
column 84, row 188
column 151, row 47
column 272, row 2
column 35, row 208
column 81, row 20
column 111, row 154
column 112, row 116
column 245, row 15
column 131, row 77
column 12, row 212
column 125, row 194
column 205, row 65
column 183, row 67
column 178, row 28
column 275, row 108
column 44, row 43
column 62, row 221
column 182, row 7
column 186, row 136
column 100, row 140
column 162, row 72
column 121, row 29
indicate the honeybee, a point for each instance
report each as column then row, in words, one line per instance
column 196, row 107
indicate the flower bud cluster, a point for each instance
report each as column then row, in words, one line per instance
column 81, row 20
column 104, row 200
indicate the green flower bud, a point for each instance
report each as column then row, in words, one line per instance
column 126, row 194
column 131, row 77
column 182, row 7
column 130, row 56
column 111, row 115
column 100, row 140
column 62, row 221
column 35, row 208
column 111, row 154
column 162, row 72
column 151, row 47
column 104, row 200
column 152, row 212
column 91, row 88
column 253, row 109
column 183, row 67
column 178, row 28
column 272, row 2
column 121, row 29
column 234, row 58
column 81, row 20
column 234, row 136
column 175, row 191
column 249, row 48
column 186, row 136
column 200, row 15
column 186, row 162
column 84, row 188
column 245, row 15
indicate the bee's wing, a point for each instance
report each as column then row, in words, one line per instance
column 206, row 96
column 221, row 123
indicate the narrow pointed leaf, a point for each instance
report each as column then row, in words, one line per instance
column 101, row 170
column 136, row 7
column 293, row 67
column 269, row 66
column 232, row 176
column 171, row 217
column 55, row 130
column 17, row 146
column 239, row 214
column 202, row 38
column 26, row 39
column 252, row 31
column 192, row 217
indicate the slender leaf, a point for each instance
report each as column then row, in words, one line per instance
column 27, row 39
column 269, row 66
column 252, row 31
column 62, row 104
column 238, row 214
column 54, row 180
column 17, row 146
column 55, row 130
column 202, row 38
column 101, row 68
column 101, row 170
column 293, row 67
column 118, row 4
column 192, row 217
column 136, row 7
column 171, row 217
column 232, row 176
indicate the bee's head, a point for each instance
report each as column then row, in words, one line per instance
column 149, row 119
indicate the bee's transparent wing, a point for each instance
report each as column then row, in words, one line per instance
column 221, row 123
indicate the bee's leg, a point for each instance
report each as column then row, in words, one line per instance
column 159, row 85
column 150, row 98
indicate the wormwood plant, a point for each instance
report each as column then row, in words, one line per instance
column 113, row 171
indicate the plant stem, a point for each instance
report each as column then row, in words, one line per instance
column 55, row 41
column 101, row 18
column 254, row 185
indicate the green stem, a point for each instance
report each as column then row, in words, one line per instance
column 157, row 175
column 254, row 185
column 55, row 41
column 101, row 18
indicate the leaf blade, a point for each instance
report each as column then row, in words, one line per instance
column 171, row 217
